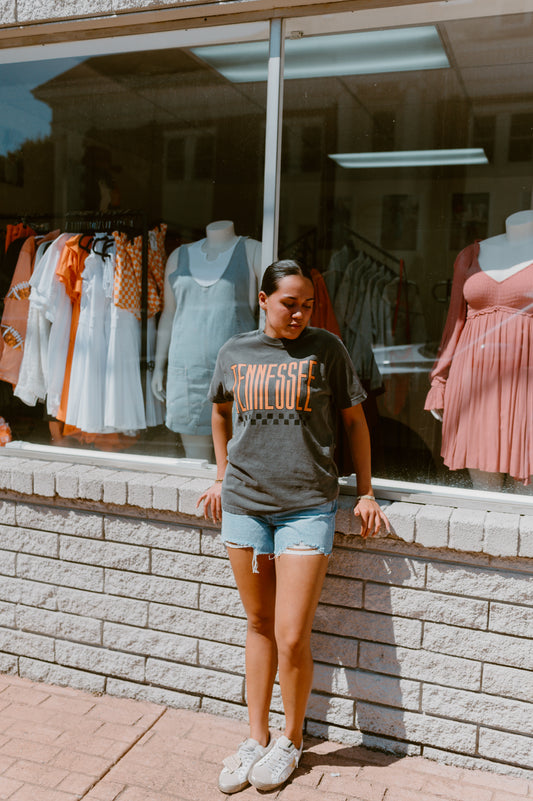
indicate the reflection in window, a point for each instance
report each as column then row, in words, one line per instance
column 176, row 159
column 384, row 123
column 416, row 164
column 158, row 134
column 521, row 137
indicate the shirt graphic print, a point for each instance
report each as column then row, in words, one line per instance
column 284, row 394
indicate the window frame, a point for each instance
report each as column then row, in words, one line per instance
column 275, row 30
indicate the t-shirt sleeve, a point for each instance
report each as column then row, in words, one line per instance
column 345, row 385
column 219, row 392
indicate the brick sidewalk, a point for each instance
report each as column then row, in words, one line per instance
column 58, row 744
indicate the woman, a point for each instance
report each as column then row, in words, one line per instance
column 276, row 495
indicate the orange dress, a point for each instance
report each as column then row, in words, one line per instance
column 69, row 271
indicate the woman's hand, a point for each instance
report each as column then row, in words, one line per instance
column 212, row 502
column 372, row 517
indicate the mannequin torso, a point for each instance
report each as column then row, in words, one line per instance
column 504, row 255
column 209, row 257
column 207, row 261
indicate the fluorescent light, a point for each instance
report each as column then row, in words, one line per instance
column 361, row 53
column 411, row 158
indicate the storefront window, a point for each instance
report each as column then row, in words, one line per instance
column 108, row 164
column 402, row 147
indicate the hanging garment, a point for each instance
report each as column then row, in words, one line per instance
column 8, row 265
column 59, row 312
column 16, row 309
column 15, row 314
column 17, row 231
column 205, row 318
column 86, row 398
column 348, row 306
column 126, row 410
column 323, row 315
column 483, row 377
column 338, row 262
column 69, row 271
column 128, row 271
column 124, row 403
column 32, row 384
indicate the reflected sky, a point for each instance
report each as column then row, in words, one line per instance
column 22, row 117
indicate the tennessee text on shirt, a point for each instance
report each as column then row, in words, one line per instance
column 274, row 386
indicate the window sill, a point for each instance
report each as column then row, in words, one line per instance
column 466, row 521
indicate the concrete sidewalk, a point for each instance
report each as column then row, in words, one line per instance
column 59, row 744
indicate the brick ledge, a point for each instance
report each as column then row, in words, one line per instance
column 160, row 496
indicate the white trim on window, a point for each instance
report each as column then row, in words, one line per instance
column 274, row 116
column 385, row 489
column 403, row 15
column 183, row 37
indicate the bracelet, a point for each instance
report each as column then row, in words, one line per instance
column 368, row 497
column 218, row 480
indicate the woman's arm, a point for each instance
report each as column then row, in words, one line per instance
column 221, row 426
column 366, row 507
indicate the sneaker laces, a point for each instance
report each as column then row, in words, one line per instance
column 280, row 757
column 234, row 761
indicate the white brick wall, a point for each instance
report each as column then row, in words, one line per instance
column 423, row 641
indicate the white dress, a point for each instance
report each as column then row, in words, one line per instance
column 86, row 400
column 31, row 384
column 44, row 365
column 124, row 402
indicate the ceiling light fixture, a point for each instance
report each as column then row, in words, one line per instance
column 360, row 53
column 411, row 158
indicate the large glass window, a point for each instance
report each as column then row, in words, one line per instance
column 111, row 165
column 406, row 183
column 404, row 147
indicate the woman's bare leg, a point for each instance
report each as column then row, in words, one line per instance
column 258, row 593
column 299, row 584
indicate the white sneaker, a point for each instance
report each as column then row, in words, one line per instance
column 234, row 775
column 276, row 766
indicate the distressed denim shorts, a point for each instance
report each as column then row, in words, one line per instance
column 301, row 530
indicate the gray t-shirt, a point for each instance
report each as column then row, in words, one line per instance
column 285, row 394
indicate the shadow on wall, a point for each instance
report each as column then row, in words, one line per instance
column 360, row 696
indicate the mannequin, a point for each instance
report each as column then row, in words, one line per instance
column 200, row 313
column 504, row 255
column 480, row 382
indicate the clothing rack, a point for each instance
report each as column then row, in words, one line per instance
column 102, row 221
column 373, row 245
column 403, row 283
column 35, row 221
column 303, row 249
column 27, row 217
column 130, row 221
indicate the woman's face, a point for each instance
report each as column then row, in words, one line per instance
column 288, row 309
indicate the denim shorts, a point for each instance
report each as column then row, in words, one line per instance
column 300, row 530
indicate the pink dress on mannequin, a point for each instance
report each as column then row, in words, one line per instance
column 483, row 376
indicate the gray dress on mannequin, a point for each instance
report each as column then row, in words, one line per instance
column 205, row 318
